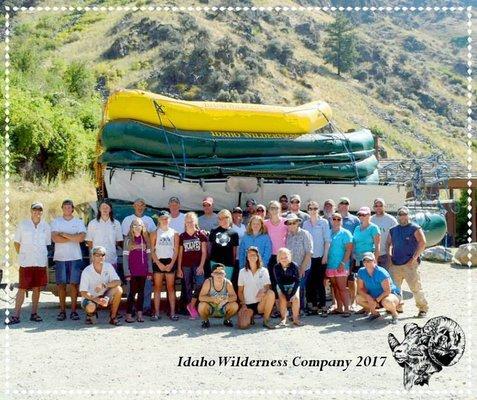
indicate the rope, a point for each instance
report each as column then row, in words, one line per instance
column 350, row 154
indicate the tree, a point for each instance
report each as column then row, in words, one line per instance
column 340, row 50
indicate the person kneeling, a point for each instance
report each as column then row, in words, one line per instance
column 254, row 287
column 100, row 286
column 376, row 289
column 217, row 298
column 288, row 286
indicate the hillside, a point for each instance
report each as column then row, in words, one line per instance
column 408, row 84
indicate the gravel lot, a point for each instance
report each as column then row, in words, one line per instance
column 71, row 360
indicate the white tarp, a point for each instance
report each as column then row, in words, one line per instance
column 156, row 190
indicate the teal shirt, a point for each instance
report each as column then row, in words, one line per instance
column 373, row 283
column 363, row 240
column 339, row 240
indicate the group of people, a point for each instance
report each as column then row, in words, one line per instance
column 264, row 258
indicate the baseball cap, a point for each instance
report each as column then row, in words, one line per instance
column 219, row 270
column 237, row 210
column 208, row 200
column 369, row 256
column 379, row 200
column 329, row 201
column 344, row 200
column 403, row 210
column 291, row 217
column 364, row 211
column 174, row 199
column 295, row 197
column 141, row 200
column 37, row 205
column 67, row 201
column 250, row 202
column 163, row 214
column 261, row 207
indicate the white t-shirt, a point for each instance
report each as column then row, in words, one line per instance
column 90, row 278
column 178, row 223
column 165, row 243
column 385, row 222
column 148, row 221
column 33, row 242
column 106, row 234
column 68, row 251
column 240, row 232
column 252, row 283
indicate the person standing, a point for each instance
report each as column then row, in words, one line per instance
column 329, row 208
column 256, row 236
column 191, row 261
column 177, row 221
column 165, row 248
column 405, row 244
column 105, row 231
column 349, row 222
column 338, row 266
column 137, row 266
column 31, row 239
column 283, row 200
column 100, row 286
column 223, row 242
column 300, row 243
column 295, row 204
column 209, row 220
column 320, row 232
column 250, row 210
column 139, row 206
column 237, row 226
column 67, row 234
column 384, row 222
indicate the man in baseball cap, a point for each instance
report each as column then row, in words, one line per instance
column 209, row 220
column 295, row 204
column 384, row 222
column 177, row 218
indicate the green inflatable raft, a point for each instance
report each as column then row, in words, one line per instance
column 434, row 226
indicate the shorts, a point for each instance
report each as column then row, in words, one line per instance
column 85, row 302
column 254, row 308
column 333, row 273
column 295, row 296
column 216, row 311
column 68, row 271
column 32, row 277
column 164, row 261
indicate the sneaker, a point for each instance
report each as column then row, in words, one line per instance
column 422, row 314
column 205, row 324
column 228, row 322
column 276, row 314
column 74, row 316
column 268, row 325
column 394, row 321
column 282, row 324
column 155, row 317
column 90, row 319
column 372, row 317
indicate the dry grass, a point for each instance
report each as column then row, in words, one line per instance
column 23, row 193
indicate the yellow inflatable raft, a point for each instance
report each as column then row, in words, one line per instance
column 215, row 116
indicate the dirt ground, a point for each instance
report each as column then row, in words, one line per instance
column 53, row 360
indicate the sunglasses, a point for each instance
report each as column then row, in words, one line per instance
column 260, row 210
column 346, row 204
column 295, row 202
column 313, row 208
column 284, row 201
column 274, row 208
column 100, row 254
column 402, row 214
column 336, row 219
column 206, row 205
column 293, row 223
column 362, row 215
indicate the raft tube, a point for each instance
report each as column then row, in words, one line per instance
column 162, row 142
column 164, row 111
column 434, row 226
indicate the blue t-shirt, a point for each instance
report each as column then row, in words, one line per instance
column 363, row 240
column 373, row 283
column 339, row 240
column 350, row 222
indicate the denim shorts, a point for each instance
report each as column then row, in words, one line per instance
column 68, row 271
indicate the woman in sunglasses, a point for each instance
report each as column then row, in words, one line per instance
column 337, row 269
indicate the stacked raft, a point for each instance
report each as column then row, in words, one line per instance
column 216, row 140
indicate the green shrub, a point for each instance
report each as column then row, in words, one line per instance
column 79, row 79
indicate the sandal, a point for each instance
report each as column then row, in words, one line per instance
column 74, row 316
column 114, row 321
column 12, row 320
column 346, row 314
column 174, row 317
column 36, row 318
column 129, row 320
column 297, row 323
column 140, row 319
column 334, row 311
column 155, row 317
column 61, row 316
